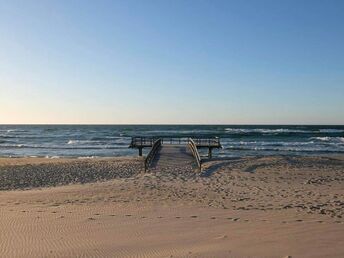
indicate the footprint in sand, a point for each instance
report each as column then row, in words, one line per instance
column 222, row 237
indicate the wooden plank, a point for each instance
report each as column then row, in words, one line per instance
column 173, row 156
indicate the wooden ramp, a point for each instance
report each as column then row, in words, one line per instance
column 171, row 156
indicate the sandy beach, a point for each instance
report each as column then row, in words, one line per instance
column 169, row 129
column 276, row 206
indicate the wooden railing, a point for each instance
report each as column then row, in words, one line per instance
column 207, row 142
column 199, row 142
column 193, row 147
column 155, row 147
column 142, row 141
column 175, row 140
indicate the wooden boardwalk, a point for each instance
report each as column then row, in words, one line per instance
column 172, row 156
column 173, row 152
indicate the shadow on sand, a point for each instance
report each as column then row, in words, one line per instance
column 207, row 172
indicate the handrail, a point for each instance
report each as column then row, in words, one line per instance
column 195, row 153
column 140, row 141
column 155, row 147
column 207, row 141
column 199, row 141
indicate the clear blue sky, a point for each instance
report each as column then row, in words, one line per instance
column 174, row 61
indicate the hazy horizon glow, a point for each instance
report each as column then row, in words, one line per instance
column 171, row 62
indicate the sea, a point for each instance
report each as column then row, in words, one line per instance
column 88, row 141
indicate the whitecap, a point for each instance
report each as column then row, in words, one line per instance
column 331, row 130
column 87, row 157
column 325, row 138
column 328, row 139
column 264, row 131
column 52, row 157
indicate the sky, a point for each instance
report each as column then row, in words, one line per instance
column 171, row 62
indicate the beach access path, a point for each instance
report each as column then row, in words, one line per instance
column 172, row 156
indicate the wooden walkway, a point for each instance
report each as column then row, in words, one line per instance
column 172, row 156
column 173, row 152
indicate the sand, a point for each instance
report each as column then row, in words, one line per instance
column 240, row 207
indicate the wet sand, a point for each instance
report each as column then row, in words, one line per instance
column 244, row 207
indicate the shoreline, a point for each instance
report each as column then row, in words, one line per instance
column 35, row 160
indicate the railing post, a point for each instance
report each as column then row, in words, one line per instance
column 210, row 155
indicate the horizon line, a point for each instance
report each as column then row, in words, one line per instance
column 200, row 124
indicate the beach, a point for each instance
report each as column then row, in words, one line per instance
column 262, row 206
column 144, row 129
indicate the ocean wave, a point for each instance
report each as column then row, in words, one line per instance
column 102, row 147
column 98, row 142
column 7, row 146
column 15, row 131
column 83, row 142
column 264, row 131
column 331, row 131
column 28, row 137
column 329, row 139
column 271, row 149
column 87, row 157
column 267, row 143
